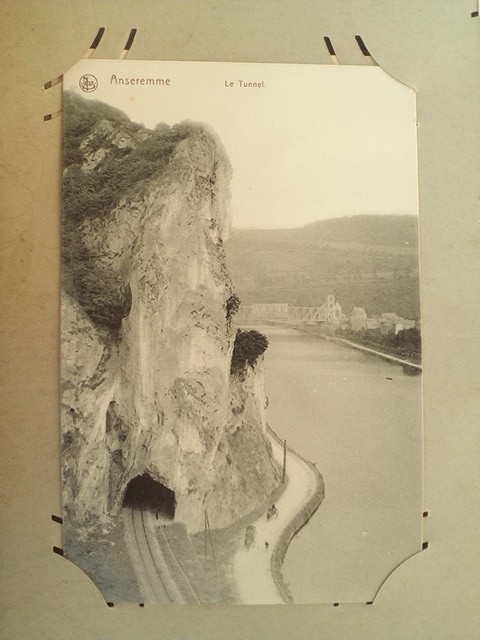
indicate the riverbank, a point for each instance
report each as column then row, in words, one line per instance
column 300, row 520
column 257, row 570
column 310, row 330
column 359, row 419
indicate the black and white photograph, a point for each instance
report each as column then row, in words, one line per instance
column 241, row 331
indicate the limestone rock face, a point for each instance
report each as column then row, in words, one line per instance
column 151, row 392
column 105, row 139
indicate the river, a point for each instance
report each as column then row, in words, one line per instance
column 339, row 408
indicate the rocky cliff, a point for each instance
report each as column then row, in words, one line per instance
column 147, row 335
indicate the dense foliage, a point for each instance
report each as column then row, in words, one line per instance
column 128, row 154
column 232, row 306
column 93, row 193
column 249, row 346
column 80, row 117
column 102, row 293
column 407, row 343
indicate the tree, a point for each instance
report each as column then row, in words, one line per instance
column 249, row 346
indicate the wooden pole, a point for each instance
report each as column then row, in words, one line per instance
column 284, row 461
column 213, row 547
column 209, row 538
column 206, row 538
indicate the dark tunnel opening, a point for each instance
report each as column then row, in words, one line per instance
column 144, row 493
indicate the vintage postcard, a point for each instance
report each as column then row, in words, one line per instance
column 241, row 334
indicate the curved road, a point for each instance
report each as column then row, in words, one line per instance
column 252, row 567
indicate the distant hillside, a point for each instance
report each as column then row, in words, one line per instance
column 368, row 261
column 388, row 231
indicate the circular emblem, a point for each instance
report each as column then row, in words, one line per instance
column 88, row 83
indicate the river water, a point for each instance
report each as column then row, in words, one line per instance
column 338, row 408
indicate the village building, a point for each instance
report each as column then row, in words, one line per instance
column 335, row 313
column 391, row 323
column 372, row 323
column 358, row 319
column 331, row 311
column 387, row 323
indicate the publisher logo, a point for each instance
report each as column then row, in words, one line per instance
column 88, row 83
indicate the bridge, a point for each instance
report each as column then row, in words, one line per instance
column 329, row 312
column 307, row 314
column 281, row 313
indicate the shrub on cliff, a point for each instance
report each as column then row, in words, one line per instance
column 96, row 192
column 232, row 306
column 249, row 346
column 80, row 117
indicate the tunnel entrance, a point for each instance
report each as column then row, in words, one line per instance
column 144, row 493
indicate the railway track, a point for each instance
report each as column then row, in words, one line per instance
column 158, row 572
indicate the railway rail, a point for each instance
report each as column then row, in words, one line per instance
column 159, row 574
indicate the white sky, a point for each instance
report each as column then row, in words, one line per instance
column 319, row 141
